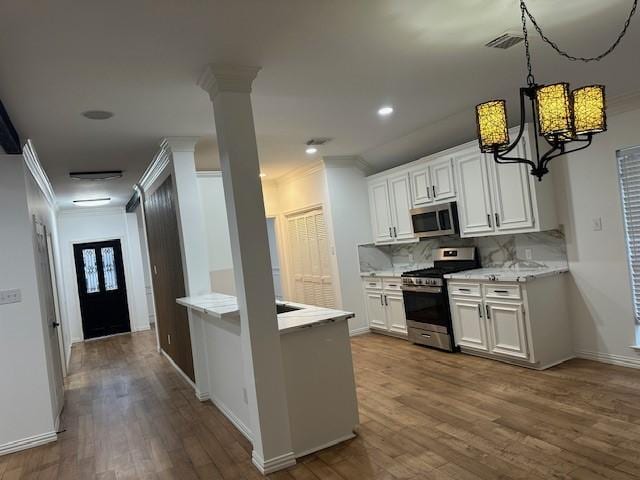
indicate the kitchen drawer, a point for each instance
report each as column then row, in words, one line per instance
column 464, row 289
column 497, row 290
column 392, row 284
column 373, row 283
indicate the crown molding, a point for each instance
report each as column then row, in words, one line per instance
column 624, row 103
column 209, row 174
column 76, row 211
column 159, row 163
column 300, row 172
column 39, row 175
column 348, row 161
column 179, row 144
column 217, row 78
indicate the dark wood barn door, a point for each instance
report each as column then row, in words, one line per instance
column 102, row 288
column 168, row 278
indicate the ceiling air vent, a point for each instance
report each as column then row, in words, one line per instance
column 316, row 142
column 504, row 41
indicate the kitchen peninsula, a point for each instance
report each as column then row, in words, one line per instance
column 317, row 362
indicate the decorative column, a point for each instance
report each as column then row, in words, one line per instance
column 193, row 244
column 229, row 88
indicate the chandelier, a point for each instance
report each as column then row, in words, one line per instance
column 567, row 120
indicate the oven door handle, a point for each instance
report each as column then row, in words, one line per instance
column 407, row 288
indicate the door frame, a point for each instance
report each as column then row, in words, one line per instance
column 124, row 246
column 56, row 301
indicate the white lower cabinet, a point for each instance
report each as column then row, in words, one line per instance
column 385, row 307
column 522, row 323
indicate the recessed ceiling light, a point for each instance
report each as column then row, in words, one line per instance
column 262, row 175
column 385, row 111
column 311, row 150
column 97, row 114
column 92, row 202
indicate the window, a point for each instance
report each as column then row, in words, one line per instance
column 109, row 268
column 90, row 270
column 629, row 170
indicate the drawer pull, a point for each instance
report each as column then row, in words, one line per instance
column 426, row 335
column 502, row 291
column 373, row 284
column 392, row 285
column 464, row 289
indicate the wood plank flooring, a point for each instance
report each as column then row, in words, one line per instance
column 424, row 414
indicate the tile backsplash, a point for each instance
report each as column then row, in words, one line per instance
column 525, row 250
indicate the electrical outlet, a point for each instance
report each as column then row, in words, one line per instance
column 528, row 254
column 597, row 224
column 10, row 296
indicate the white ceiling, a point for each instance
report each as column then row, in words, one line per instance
column 327, row 65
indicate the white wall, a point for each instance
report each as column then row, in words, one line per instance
column 587, row 187
column 217, row 228
column 25, row 401
column 146, row 265
column 349, row 214
column 95, row 224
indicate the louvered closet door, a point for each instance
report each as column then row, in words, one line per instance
column 310, row 262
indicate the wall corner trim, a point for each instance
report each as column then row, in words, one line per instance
column 154, row 170
column 29, row 442
column 273, row 464
column 35, row 167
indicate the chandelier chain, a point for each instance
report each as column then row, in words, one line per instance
column 530, row 80
column 555, row 46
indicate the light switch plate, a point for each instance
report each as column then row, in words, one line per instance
column 10, row 296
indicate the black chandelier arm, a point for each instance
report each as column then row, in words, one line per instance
column 502, row 159
column 523, row 93
column 547, row 157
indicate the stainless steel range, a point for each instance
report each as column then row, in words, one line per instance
column 426, row 302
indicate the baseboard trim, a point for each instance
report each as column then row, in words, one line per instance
column 326, row 445
column 178, row 369
column 143, row 329
column 359, row 331
column 239, row 424
column 620, row 360
column 265, row 467
column 29, row 442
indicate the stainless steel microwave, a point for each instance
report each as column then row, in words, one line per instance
column 435, row 220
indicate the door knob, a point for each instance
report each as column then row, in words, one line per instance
column 55, row 324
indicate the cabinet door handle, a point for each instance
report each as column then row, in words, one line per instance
column 480, row 310
column 390, row 232
column 381, row 301
column 488, row 312
column 395, row 233
column 489, row 220
column 386, row 302
column 433, row 187
column 497, row 220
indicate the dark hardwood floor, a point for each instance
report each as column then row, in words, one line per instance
column 424, row 414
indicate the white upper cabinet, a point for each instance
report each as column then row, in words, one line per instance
column 400, row 193
column 442, row 183
column 475, row 210
column 390, row 202
column 379, row 203
column 421, row 192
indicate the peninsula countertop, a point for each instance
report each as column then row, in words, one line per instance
column 521, row 275
column 220, row 305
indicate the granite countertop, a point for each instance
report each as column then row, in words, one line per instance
column 521, row 275
column 226, row 306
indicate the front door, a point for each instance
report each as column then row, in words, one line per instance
column 102, row 288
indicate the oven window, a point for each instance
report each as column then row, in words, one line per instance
column 445, row 219
column 425, row 222
column 425, row 307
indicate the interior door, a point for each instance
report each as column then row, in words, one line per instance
column 102, row 288
column 442, row 179
column 476, row 214
column 468, row 324
column 400, row 194
column 507, row 329
column 45, row 289
column 379, row 203
column 512, row 195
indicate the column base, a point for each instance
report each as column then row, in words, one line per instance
column 265, row 467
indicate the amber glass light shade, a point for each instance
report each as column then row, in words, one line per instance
column 491, row 119
column 555, row 117
column 589, row 110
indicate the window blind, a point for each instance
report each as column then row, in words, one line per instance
column 629, row 172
